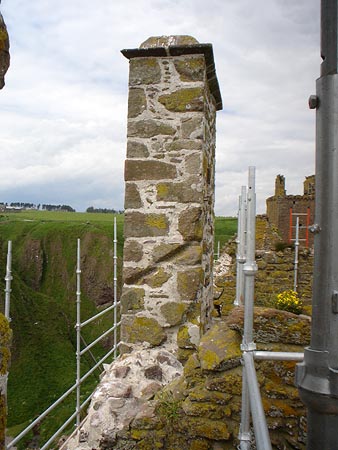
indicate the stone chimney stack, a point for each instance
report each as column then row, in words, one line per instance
column 169, row 192
column 280, row 186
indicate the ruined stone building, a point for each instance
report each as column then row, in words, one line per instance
column 282, row 211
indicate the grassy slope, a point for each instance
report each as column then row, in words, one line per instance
column 43, row 361
column 43, row 349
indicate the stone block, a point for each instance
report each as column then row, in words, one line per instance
column 191, row 68
column 137, row 224
column 188, row 336
column 184, row 100
column 189, row 282
column 220, row 349
column 149, row 128
column 173, row 312
column 133, row 251
column 165, row 252
column 144, row 71
column 132, row 299
column 137, row 150
column 184, row 144
column 193, row 164
column 142, row 329
column 190, row 256
column 137, row 102
column 192, row 127
column 132, row 198
column 138, row 170
column 178, row 192
column 190, row 224
column 158, row 278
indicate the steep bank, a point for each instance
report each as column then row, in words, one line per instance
column 43, row 309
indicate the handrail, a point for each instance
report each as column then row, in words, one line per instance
column 79, row 379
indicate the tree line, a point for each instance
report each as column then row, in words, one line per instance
column 91, row 209
column 39, row 206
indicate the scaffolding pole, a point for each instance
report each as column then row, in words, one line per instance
column 78, row 335
column 317, row 376
column 240, row 257
column 115, row 287
column 249, row 271
column 295, row 280
column 8, row 279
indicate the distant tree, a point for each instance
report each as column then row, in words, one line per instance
column 91, row 209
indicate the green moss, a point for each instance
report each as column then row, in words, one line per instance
column 156, row 221
column 5, row 340
column 189, row 99
column 173, row 312
column 139, row 329
column 162, row 190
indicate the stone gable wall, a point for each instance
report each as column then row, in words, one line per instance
column 169, row 197
column 278, row 209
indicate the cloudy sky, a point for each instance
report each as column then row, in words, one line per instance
column 63, row 109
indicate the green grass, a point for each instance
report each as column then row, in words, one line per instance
column 225, row 229
column 43, row 316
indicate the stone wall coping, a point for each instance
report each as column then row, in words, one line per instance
column 181, row 50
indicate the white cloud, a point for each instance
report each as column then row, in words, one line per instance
column 63, row 109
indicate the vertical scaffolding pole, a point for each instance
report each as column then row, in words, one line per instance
column 115, row 288
column 240, row 257
column 8, row 279
column 250, row 266
column 295, row 280
column 78, row 335
column 249, row 270
column 290, row 226
column 317, row 376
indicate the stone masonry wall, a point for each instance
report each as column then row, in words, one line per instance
column 169, row 195
column 278, row 210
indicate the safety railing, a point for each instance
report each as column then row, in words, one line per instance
column 79, row 353
column 251, row 398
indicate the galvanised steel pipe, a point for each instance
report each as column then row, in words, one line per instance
column 262, row 355
column 317, row 376
column 78, row 333
column 8, row 279
column 249, row 271
column 295, row 278
column 257, row 411
column 240, row 257
column 250, row 266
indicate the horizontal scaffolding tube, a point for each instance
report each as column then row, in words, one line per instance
column 59, row 400
column 86, row 322
column 89, row 346
column 278, row 356
column 257, row 411
column 68, row 421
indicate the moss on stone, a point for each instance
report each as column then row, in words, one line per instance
column 173, row 312
column 144, row 71
column 140, row 329
column 189, row 283
column 191, row 68
column 182, row 100
column 158, row 278
column 220, row 348
column 132, row 299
